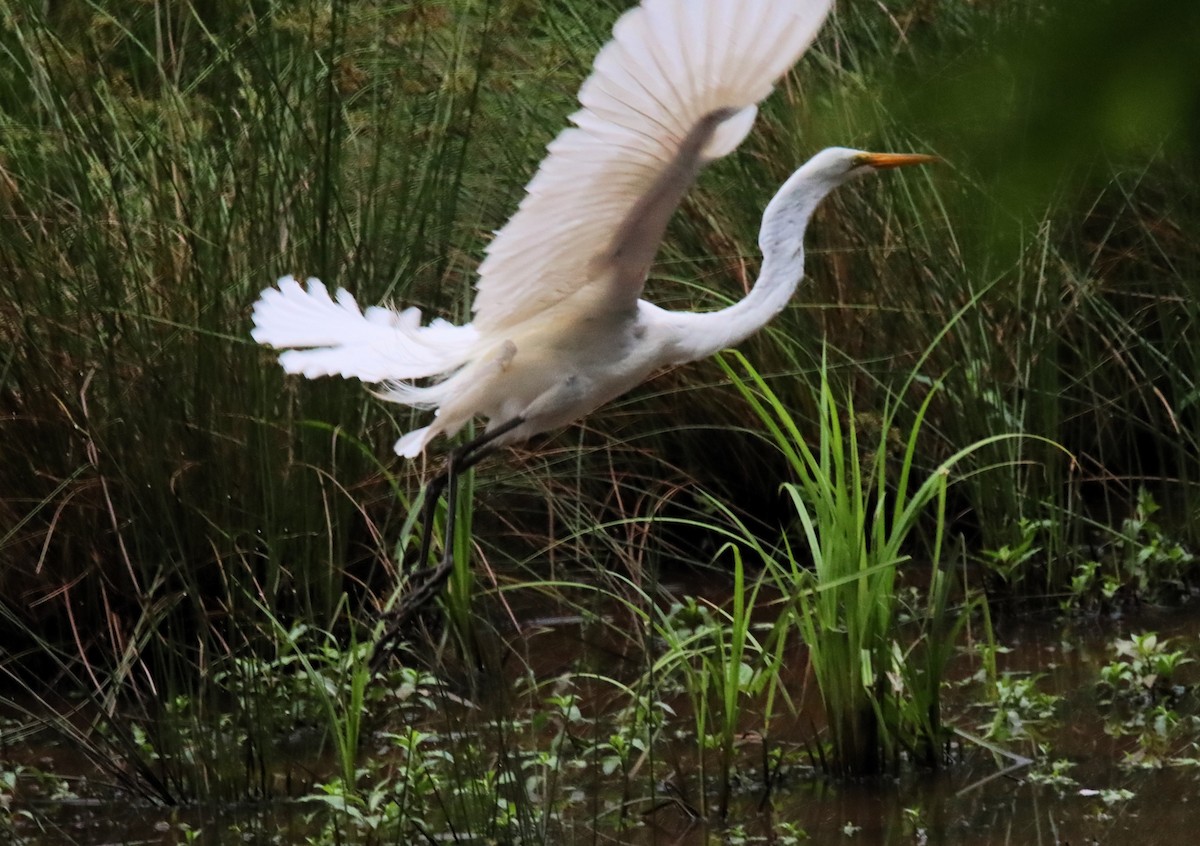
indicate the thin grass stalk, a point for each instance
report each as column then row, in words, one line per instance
column 737, row 675
column 457, row 600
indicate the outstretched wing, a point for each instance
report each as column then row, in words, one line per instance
column 675, row 88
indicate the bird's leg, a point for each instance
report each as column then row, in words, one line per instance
column 432, row 495
column 460, row 460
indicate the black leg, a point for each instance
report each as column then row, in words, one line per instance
column 461, row 459
column 433, row 578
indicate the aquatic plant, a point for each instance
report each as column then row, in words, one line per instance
column 856, row 506
column 1021, row 711
column 722, row 664
column 1015, row 562
column 1144, row 669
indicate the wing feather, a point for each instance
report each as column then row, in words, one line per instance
column 676, row 87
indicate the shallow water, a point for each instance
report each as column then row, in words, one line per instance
column 980, row 798
column 983, row 799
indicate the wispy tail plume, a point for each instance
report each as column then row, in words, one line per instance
column 332, row 336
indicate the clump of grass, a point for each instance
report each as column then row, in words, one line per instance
column 723, row 666
column 858, row 508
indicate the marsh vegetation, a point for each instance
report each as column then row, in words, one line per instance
column 923, row 530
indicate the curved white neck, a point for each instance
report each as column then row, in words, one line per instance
column 781, row 240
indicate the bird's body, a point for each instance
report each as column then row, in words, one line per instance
column 559, row 327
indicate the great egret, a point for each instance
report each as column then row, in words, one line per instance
column 559, row 327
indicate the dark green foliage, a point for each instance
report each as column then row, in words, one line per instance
column 169, row 502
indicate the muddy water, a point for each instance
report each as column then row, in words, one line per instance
column 979, row 799
column 987, row 799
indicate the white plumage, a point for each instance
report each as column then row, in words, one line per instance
column 558, row 327
column 669, row 64
column 374, row 346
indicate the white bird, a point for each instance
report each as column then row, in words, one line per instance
column 559, row 327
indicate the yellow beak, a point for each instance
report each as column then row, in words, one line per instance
column 886, row 160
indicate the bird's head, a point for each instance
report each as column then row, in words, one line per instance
column 788, row 212
column 835, row 165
